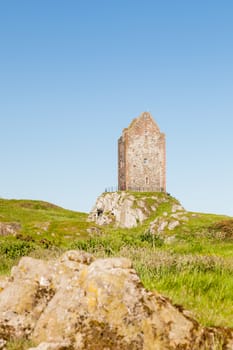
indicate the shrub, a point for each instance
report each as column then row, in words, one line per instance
column 153, row 239
column 16, row 249
column 223, row 229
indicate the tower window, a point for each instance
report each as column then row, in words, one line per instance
column 145, row 161
column 147, row 181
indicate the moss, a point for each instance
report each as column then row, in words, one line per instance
column 19, row 344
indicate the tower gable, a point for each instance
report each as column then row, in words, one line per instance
column 143, row 122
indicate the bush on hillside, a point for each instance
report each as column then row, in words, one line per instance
column 223, row 229
column 16, row 249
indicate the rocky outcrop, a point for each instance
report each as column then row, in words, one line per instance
column 117, row 208
column 124, row 209
column 11, row 228
column 169, row 222
column 77, row 302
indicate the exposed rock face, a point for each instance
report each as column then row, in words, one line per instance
column 165, row 221
column 124, row 209
column 117, row 208
column 80, row 303
column 9, row 228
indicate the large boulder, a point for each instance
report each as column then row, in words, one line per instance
column 77, row 302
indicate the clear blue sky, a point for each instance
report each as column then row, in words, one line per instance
column 74, row 73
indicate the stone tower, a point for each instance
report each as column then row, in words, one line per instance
column 142, row 156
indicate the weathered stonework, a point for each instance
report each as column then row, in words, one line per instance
column 142, row 156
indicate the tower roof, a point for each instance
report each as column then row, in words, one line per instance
column 142, row 117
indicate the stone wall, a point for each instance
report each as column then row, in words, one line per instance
column 141, row 156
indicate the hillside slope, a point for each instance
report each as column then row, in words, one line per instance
column 28, row 226
column 185, row 256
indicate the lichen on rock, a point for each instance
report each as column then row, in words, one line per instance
column 82, row 303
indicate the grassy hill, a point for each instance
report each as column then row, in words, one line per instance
column 191, row 264
column 41, row 229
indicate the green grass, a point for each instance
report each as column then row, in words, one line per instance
column 194, row 270
column 200, row 283
column 44, row 226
